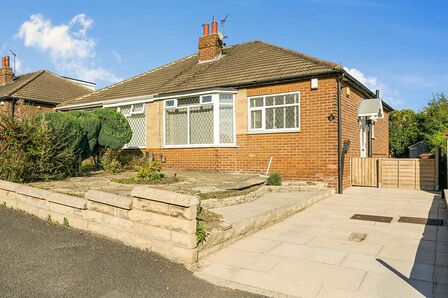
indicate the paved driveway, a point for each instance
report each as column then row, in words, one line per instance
column 310, row 254
column 41, row 260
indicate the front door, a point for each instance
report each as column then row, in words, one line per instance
column 363, row 136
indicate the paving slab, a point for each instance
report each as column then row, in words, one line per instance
column 394, row 260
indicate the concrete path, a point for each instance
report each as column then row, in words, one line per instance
column 310, row 255
column 42, row 260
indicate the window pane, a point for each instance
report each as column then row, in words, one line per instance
column 169, row 103
column 279, row 117
column 270, row 118
column 125, row 110
column 188, row 101
column 255, row 117
column 270, row 100
column 201, row 125
column 138, row 108
column 256, row 102
column 226, row 124
column 206, row 99
column 137, row 123
column 176, row 126
column 226, row 98
column 291, row 98
column 291, row 117
column 279, row 100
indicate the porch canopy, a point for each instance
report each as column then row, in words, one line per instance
column 371, row 108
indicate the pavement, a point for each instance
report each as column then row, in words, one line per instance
column 38, row 259
column 312, row 253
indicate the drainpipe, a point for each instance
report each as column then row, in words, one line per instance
column 340, row 165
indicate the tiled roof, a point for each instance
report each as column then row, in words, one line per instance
column 43, row 86
column 243, row 63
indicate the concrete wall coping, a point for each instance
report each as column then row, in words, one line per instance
column 164, row 196
column 9, row 186
column 66, row 200
column 32, row 192
column 110, row 199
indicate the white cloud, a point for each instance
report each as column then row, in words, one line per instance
column 371, row 82
column 374, row 83
column 68, row 45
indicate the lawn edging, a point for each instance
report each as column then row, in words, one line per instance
column 151, row 219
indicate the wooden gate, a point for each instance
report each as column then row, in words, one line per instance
column 364, row 171
column 410, row 173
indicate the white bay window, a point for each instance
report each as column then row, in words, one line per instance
column 274, row 113
column 200, row 121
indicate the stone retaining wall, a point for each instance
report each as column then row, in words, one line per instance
column 151, row 219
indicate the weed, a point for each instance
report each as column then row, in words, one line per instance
column 274, row 179
column 201, row 233
column 66, row 224
column 3, row 205
column 51, row 221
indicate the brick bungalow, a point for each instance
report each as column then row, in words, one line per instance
column 250, row 107
column 35, row 92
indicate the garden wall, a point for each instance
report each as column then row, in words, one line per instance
column 152, row 219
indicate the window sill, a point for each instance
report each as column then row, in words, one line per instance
column 198, row 146
column 272, row 132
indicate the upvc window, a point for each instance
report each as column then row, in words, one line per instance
column 199, row 121
column 135, row 114
column 274, row 113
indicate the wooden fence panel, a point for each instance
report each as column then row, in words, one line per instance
column 408, row 173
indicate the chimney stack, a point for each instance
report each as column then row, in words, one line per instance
column 210, row 45
column 6, row 73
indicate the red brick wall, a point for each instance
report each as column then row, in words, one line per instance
column 310, row 154
column 22, row 109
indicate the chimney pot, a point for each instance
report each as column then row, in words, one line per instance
column 214, row 27
column 377, row 93
column 5, row 61
column 205, row 28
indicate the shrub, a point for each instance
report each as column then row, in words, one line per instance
column 36, row 150
column 110, row 161
column 115, row 131
column 274, row 179
column 150, row 171
column 90, row 126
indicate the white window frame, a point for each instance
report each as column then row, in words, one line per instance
column 216, row 133
column 263, row 129
column 131, row 113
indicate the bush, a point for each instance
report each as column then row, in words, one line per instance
column 115, row 131
column 37, row 150
column 150, row 171
column 274, row 179
column 110, row 161
column 90, row 125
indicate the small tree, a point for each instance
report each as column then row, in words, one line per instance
column 435, row 121
column 404, row 130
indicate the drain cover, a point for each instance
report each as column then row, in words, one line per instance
column 421, row 221
column 372, row 218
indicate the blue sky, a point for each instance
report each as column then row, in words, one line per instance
column 400, row 47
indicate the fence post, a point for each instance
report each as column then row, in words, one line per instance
column 436, row 169
column 380, row 172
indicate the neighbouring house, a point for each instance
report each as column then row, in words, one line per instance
column 251, row 107
column 39, row 91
